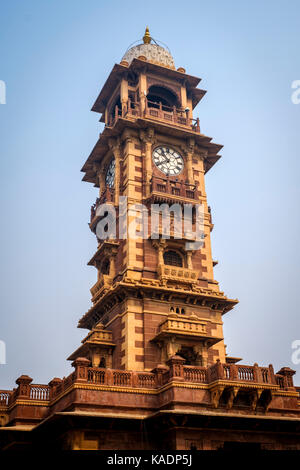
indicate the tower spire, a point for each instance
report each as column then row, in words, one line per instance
column 147, row 37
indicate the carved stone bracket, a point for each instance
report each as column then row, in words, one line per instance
column 215, row 395
column 232, row 393
column 254, row 397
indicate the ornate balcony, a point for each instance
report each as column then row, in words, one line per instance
column 182, row 327
column 103, row 284
column 155, row 111
column 244, row 389
column 166, row 189
column 177, row 274
column 107, row 196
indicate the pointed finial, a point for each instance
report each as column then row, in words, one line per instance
column 147, row 37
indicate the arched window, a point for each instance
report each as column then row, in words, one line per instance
column 105, row 266
column 117, row 102
column 157, row 94
column 172, row 258
column 102, row 363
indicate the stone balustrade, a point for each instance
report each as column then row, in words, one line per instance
column 108, row 195
column 174, row 371
column 4, row 397
column 104, row 282
column 190, row 327
column 154, row 111
column 180, row 189
column 175, row 273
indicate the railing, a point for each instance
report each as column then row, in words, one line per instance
column 62, row 386
column 108, row 195
column 226, row 369
column 265, row 374
column 176, row 188
column 121, row 378
column 39, row 392
column 245, row 373
column 153, row 110
column 146, row 379
column 96, row 376
column 195, row 374
column 175, row 371
column 4, row 397
column 279, row 381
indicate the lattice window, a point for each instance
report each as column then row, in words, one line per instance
column 172, row 258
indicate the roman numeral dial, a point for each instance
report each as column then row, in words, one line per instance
column 168, row 161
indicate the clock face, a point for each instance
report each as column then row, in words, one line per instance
column 110, row 174
column 168, row 161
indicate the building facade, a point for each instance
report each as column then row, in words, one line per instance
column 153, row 371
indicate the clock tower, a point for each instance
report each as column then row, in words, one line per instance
column 152, row 372
column 155, row 295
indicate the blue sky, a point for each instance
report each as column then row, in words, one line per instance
column 55, row 57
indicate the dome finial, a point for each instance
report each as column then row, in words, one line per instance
column 147, row 37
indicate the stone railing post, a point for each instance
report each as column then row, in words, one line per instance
column 81, row 365
column 220, row 369
column 287, row 375
column 134, row 379
column 234, row 374
column 176, row 367
column 272, row 378
column 109, row 377
column 52, row 386
column 23, row 390
column 257, row 373
column 159, row 371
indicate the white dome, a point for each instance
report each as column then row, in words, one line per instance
column 153, row 53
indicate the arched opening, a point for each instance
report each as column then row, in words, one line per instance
column 188, row 354
column 102, row 363
column 157, row 95
column 117, row 102
column 172, row 258
column 105, row 266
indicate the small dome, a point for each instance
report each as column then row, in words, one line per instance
column 152, row 52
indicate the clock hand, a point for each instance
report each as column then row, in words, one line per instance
column 165, row 157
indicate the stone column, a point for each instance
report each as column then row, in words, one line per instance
column 142, row 91
column 124, row 94
column 114, row 145
column 189, row 159
column 148, row 138
column 183, row 96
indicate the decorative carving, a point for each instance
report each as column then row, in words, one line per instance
column 152, row 52
column 232, row 393
column 215, row 395
column 254, row 397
